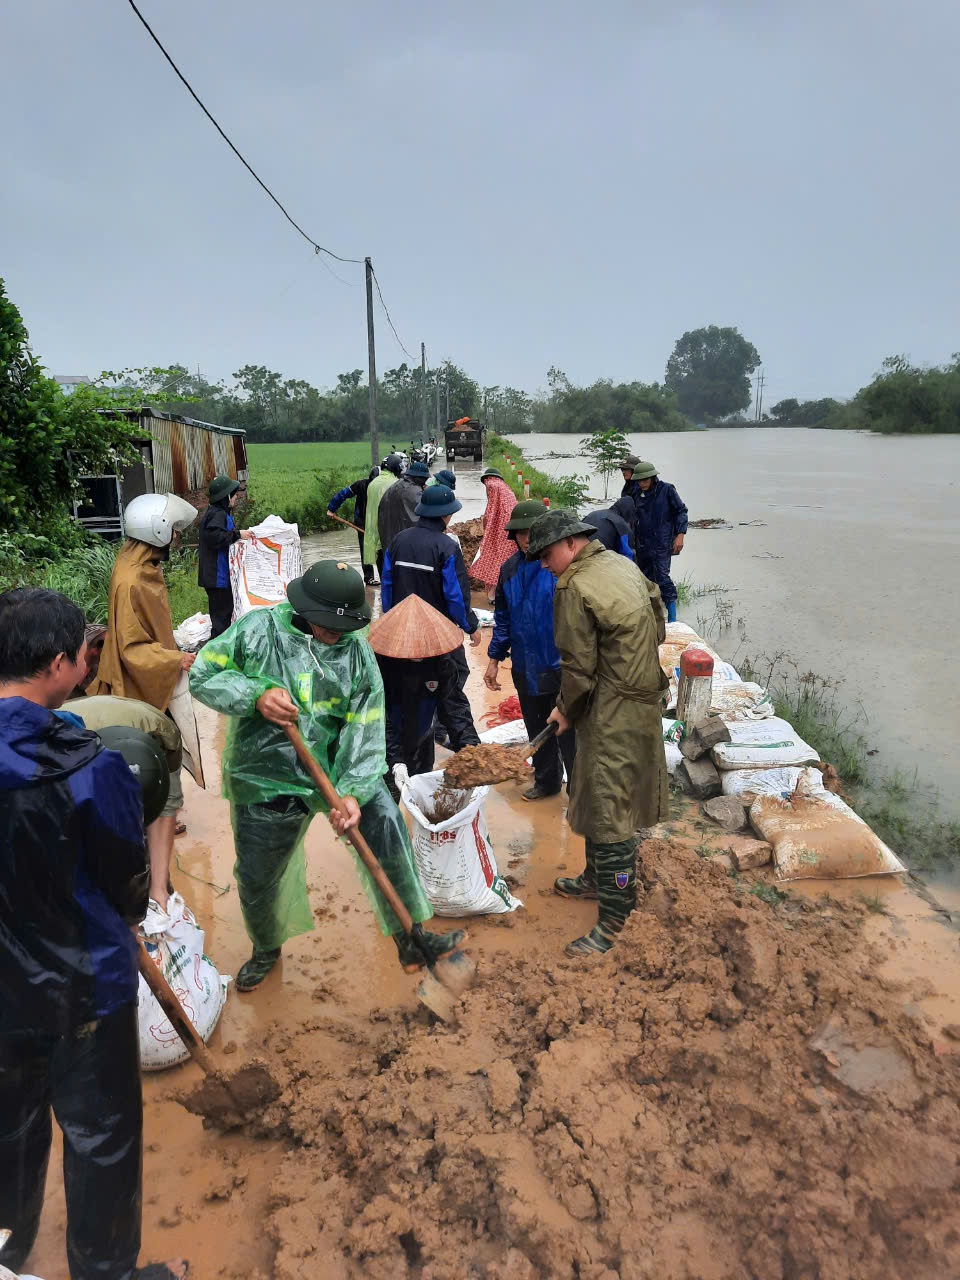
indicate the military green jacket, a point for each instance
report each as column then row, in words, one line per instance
column 608, row 622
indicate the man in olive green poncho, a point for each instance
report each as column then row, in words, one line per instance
column 608, row 622
column 305, row 662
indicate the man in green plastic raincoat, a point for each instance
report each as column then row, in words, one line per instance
column 305, row 662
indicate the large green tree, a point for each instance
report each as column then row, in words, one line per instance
column 46, row 440
column 710, row 370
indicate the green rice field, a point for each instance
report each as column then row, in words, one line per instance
column 296, row 481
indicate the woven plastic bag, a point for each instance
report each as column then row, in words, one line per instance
column 816, row 835
column 455, row 858
column 178, row 954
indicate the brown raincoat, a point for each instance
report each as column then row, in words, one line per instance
column 608, row 622
column 140, row 657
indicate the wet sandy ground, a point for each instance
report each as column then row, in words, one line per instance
column 206, row 1196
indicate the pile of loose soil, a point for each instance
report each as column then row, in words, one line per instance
column 731, row 1092
column 488, row 762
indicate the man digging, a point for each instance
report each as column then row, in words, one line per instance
column 304, row 662
column 608, row 622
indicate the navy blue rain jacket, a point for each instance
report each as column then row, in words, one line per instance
column 615, row 532
column 73, row 873
column 357, row 491
column 218, row 533
column 424, row 561
column 661, row 515
column 523, row 621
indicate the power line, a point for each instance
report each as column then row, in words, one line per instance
column 317, row 248
column 385, row 311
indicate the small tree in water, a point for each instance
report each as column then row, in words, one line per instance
column 604, row 450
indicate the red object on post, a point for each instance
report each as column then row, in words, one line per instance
column 546, row 502
column 696, row 662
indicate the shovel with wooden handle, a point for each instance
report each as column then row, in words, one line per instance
column 446, row 979
column 348, row 523
column 247, row 1089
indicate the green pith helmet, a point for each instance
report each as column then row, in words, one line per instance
column 490, row 471
column 523, row 515
column 330, row 594
column 147, row 763
column 221, row 487
column 552, row 526
column 644, row 470
column 629, row 462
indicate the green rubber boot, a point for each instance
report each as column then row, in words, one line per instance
column 253, row 972
column 585, row 884
column 616, row 868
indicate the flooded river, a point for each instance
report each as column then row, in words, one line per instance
column 851, row 570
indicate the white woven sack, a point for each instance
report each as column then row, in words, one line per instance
column 178, row 953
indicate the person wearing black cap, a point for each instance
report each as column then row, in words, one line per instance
column 306, row 662
column 424, row 561
column 398, row 506
column 218, row 533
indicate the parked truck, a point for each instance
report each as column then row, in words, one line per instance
column 464, row 439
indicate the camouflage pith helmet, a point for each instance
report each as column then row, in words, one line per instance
column 330, row 594
column 553, row 526
column 644, row 470
column 524, row 513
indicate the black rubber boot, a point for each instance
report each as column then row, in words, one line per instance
column 616, row 869
column 435, row 944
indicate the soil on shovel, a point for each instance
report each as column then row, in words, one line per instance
column 232, row 1100
column 487, row 763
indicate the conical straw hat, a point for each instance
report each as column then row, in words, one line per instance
column 413, row 629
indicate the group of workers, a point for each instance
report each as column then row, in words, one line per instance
column 79, row 875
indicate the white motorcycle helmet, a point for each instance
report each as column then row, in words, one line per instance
column 155, row 517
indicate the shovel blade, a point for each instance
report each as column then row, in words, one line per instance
column 437, row 999
column 457, row 972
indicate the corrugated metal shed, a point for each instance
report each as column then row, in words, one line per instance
column 187, row 453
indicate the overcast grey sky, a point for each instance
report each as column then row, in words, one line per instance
column 538, row 182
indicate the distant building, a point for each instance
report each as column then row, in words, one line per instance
column 69, row 382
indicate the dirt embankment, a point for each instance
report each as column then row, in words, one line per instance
column 470, row 533
column 731, row 1093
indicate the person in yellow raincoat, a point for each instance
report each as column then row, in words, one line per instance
column 305, row 662
column 389, row 473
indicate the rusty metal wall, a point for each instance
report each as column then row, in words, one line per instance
column 186, row 458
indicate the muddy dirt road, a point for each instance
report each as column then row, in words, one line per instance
column 737, row 1090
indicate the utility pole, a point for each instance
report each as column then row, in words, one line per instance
column 446, row 383
column 760, row 397
column 371, row 367
column 439, row 429
column 423, row 385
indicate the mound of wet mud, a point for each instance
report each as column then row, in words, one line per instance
column 730, row 1093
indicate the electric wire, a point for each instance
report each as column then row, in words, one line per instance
column 387, row 314
column 317, row 248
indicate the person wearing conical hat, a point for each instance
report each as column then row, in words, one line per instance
column 607, row 626
column 306, row 662
column 426, row 562
column 523, row 631
column 413, row 643
column 660, row 525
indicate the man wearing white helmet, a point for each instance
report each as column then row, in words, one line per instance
column 140, row 656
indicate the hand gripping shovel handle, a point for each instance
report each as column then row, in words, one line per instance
column 544, row 736
column 366, row 854
column 348, row 523
column 171, row 1006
